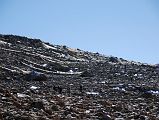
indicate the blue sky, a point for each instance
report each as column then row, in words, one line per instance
column 124, row 28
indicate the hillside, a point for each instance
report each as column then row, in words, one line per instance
column 41, row 81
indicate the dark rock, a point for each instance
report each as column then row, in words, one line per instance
column 136, row 117
column 36, row 76
column 37, row 104
column 86, row 74
column 113, row 59
column 55, row 108
column 142, row 117
column 58, row 67
column 147, row 95
column 106, row 117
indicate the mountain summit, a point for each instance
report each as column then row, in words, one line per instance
column 39, row 80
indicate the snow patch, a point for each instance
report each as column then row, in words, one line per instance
column 118, row 88
column 33, row 87
column 153, row 92
column 49, row 47
column 92, row 93
column 4, row 43
column 22, row 95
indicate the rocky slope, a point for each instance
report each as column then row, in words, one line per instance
column 40, row 81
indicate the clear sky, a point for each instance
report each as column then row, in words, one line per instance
column 124, row 28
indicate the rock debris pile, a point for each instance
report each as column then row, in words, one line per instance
column 40, row 81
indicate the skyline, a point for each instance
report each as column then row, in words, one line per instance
column 124, row 29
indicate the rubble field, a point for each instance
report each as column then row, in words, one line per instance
column 41, row 81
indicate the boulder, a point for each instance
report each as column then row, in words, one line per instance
column 35, row 76
column 37, row 104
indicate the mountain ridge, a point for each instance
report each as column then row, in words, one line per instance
column 48, row 45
